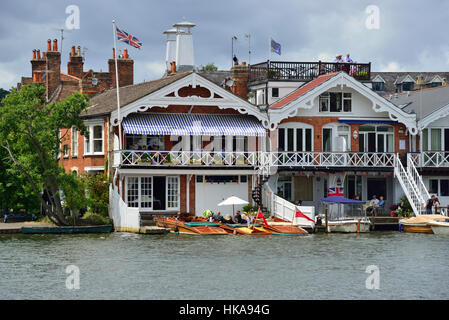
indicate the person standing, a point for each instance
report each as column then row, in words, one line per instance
column 437, row 206
column 429, row 205
column 348, row 59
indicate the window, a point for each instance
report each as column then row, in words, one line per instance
column 153, row 193
column 172, row 192
column 65, row 149
column 376, row 139
column 444, row 188
column 433, row 186
column 378, row 86
column 93, row 144
column 408, row 86
column 74, row 142
column 295, row 139
column 433, row 140
column 434, row 84
column 275, row 92
column 327, row 139
column 335, row 102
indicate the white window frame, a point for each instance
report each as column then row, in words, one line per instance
column 325, row 96
column 335, row 133
column 384, row 134
column 90, row 140
column 139, row 193
column 74, row 140
column 295, row 126
column 429, row 139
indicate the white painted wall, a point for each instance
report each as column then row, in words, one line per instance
column 208, row 195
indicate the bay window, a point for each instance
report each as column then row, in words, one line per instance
column 298, row 137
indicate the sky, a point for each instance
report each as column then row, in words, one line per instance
column 407, row 36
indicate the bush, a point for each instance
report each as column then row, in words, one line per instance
column 95, row 219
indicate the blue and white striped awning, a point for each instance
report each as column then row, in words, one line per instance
column 193, row 124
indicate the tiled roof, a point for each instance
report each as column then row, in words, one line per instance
column 106, row 102
column 392, row 77
column 302, row 90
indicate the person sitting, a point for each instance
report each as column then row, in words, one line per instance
column 238, row 217
column 381, row 204
column 244, row 219
column 228, row 219
column 374, row 203
column 218, row 217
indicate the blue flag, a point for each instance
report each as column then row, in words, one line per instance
column 275, row 47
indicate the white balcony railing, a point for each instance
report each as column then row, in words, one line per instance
column 187, row 158
column 329, row 159
column 255, row 159
column 430, row 159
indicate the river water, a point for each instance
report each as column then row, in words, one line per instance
column 319, row 266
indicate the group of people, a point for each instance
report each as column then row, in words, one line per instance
column 239, row 218
column 339, row 59
column 434, row 203
column 376, row 204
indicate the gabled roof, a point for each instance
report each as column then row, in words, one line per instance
column 106, row 102
column 303, row 97
column 423, row 102
column 302, row 90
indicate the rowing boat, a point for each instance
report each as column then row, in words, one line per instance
column 66, row 230
column 190, row 226
column 420, row 224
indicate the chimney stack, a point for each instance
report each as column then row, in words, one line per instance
column 184, row 46
column 125, row 67
column 75, row 65
column 240, row 78
column 37, row 66
column 420, row 82
column 38, row 54
column 53, row 76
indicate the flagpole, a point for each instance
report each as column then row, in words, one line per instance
column 114, row 33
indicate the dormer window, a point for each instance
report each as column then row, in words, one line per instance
column 408, row 86
column 378, row 86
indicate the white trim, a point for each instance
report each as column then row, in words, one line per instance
column 159, row 98
column 90, row 128
column 152, row 172
column 379, row 103
column 94, row 168
column 378, row 78
column 436, row 115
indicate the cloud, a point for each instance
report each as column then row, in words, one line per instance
column 392, row 66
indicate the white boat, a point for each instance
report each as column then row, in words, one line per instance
column 349, row 225
column 439, row 227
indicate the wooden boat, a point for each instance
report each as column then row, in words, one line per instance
column 349, row 226
column 439, row 227
column 309, row 228
column 190, row 226
column 66, row 230
column 420, row 224
column 253, row 230
column 285, row 228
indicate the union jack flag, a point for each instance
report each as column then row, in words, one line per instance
column 336, row 191
column 125, row 37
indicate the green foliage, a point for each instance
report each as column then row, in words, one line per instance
column 30, row 135
column 97, row 188
column 249, row 208
column 95, row 219
column 208, row 67
column 407, row 209
column 3, row 93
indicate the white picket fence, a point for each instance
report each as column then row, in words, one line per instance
column 126, row 219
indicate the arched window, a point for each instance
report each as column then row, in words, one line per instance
column 336, row 137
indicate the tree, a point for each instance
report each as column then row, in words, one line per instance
column 30, row 134
column 208, row 67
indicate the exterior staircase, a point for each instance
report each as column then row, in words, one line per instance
column 412, row 185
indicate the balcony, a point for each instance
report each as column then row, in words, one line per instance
column 252, row 159
column 305, row 71
column 145, row 158
column 328, row 159
column 431, row 159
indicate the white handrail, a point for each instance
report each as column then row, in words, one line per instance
column 417, row 179
column 409, row 188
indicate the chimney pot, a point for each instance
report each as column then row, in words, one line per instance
column 113, row 53
column 243, row 63
column 173, row 67
column 38, row 54
column 79, row 51
column 48, row 45
column 125, row 54
column 55, row 45
column 34, row 54
column 72, row 52
column 44, row 55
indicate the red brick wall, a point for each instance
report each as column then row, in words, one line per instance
column 192, row 194
column 183, row 193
